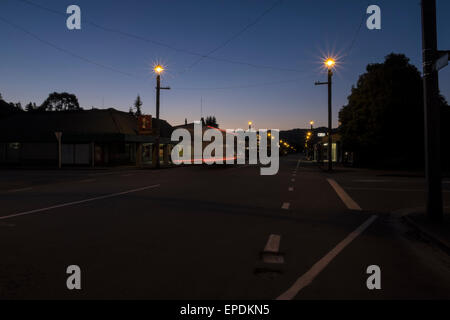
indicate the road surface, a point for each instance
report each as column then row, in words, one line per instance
column 198, row 232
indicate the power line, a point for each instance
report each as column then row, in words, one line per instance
column 169, row 46
column 48, row 43
column 240, row 86
column 237, row 34
column 87, row 60
column 355, row 37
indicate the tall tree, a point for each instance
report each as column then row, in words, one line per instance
column 383, row 120
column 211, row 121
column 137, row 106
column 60, row 102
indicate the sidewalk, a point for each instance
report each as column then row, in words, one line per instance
column 439, row 233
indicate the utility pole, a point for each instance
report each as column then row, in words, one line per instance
column 158, row 70
column 330, row 140
column 329, row 63
column 434, row 202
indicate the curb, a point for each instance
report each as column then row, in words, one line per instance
column 429, row 236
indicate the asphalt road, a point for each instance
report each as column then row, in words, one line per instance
column 214, row 233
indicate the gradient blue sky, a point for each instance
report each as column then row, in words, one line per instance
column 295, row 34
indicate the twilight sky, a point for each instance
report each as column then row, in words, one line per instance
column 110, row 68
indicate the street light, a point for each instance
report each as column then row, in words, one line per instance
column 329, row 64
column 250, row 125
column 311, row 123
column 158, row 69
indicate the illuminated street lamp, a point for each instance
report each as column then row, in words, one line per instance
column 329, row 64
column 311, row 123
column 250, row 125
column 158, row 69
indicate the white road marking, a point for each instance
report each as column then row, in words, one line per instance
column 76, row 202
column 271, row 250
column 86, row 180
column 291, row 189
column 372, row 180
column 348, row 201
column 391, row 189
column 273, row 243
column 312, row 273
column 285, row 205
column 293, row 180
column 21, row 189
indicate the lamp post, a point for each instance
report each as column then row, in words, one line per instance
column 312, row 124
column 250, row 125
column 158, row 70
column 329, row 64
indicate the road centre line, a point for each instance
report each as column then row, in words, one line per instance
column 285, row 205
column 271, row 250
column 273, row 243
column 292, row 180
column 348, row 201
column 315, row 270
column 77, row 202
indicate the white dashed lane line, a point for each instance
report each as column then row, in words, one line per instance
column 291, row 189
column 285, row 205
column 271, row 250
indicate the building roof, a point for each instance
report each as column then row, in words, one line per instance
column 99, row 125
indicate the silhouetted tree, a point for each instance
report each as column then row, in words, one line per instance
column 383, row 120
column 211, row 121
column 31, row 107
column 137, row 106
column 60, row 102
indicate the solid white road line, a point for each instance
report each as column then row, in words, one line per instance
column 391, row 189
column 372, row 180
column 348, row 201
column 273, row 244
column 76, row 202
column 285, row 205
column 312, row 273
column 21, row 189
column 291, row 189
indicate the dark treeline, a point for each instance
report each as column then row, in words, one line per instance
column 383, row 122
column 55, row 102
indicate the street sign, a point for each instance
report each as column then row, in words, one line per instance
column 442, row 62
column 321, row 134
column 145, row 124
